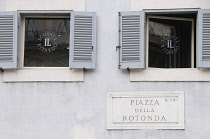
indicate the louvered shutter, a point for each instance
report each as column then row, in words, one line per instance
column 8, row 40
column 203, row 39
column 82, row 40
column 132, row 40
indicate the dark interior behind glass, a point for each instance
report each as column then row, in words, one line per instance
column 46, row 42
column 170, row 43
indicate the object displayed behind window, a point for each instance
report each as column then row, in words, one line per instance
column 46, row 42
column 170, row 43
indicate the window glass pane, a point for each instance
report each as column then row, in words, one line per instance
column 46, row 42
column 170, row 43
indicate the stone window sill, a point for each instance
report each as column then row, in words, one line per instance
column 152, row 74
column 43, row 75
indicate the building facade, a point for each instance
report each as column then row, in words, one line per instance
column 54, row 99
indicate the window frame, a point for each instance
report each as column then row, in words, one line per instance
column 21, row 32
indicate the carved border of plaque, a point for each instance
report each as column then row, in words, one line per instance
column 145, row 110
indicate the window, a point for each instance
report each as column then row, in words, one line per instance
column 143, row 46
column 164, row 39
column 48, row 31
column 46, row 44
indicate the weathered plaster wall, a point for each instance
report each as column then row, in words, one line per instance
column 53, row 110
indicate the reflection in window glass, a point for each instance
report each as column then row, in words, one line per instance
column 170, row 43
column 46, row 42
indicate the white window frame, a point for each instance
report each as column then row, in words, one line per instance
column 40, row 74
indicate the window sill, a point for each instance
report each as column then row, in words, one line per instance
column 43, row 75
column 185, row 75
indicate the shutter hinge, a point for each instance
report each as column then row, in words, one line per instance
column 119, row 14
column 18, row 56
column 92, row 48
column 2, row 70
column 119, row 66
column 18, row 25
column 118, row 47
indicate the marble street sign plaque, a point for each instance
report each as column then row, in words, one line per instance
column 145, row 110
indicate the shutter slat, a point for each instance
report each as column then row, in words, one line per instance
column 8, row 46
column 132, row 40
column 83, row 40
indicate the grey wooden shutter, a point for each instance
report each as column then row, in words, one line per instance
column 132, row 40
column 8, row 40
column 82, row 40
column 203, row 39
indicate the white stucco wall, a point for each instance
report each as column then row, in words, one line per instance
column 13, row 5
column 168, row 4
column 77, row 110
